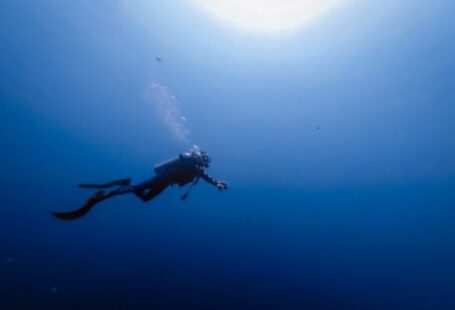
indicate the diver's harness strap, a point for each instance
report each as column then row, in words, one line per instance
column 190, row 188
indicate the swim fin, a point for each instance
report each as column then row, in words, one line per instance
column 121, row 182
column 72, row 215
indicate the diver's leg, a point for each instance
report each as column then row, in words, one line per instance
column 150, row 189
column 121, row 182
column 88, row 205
column 120, row 191
column 143, row 190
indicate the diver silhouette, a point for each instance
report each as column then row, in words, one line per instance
column 186, row 168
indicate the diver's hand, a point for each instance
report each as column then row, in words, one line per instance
column 222, row 186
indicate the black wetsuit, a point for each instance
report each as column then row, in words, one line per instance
column 184, row 171
column 151, row 188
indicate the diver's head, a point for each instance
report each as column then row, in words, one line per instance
column 201, row 157
column 205, row 159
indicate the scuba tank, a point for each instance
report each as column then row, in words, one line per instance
column 166, row 165
column 170, row 164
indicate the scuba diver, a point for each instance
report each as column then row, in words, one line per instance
column 186, row 168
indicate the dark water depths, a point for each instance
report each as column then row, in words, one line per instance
column 337, row 143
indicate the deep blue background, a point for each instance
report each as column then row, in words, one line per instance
column 356, row 215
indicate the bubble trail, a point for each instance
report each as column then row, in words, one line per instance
column 168, row 109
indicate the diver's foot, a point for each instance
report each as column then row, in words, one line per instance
column 123, row 182
column 98, row 196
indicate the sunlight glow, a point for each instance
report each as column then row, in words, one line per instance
column 267, row 16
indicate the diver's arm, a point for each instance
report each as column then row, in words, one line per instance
column 208, row 178
column 221, row 185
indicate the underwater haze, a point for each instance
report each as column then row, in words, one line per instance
column 336, row 138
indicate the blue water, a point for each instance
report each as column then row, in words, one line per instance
column 337, row 142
